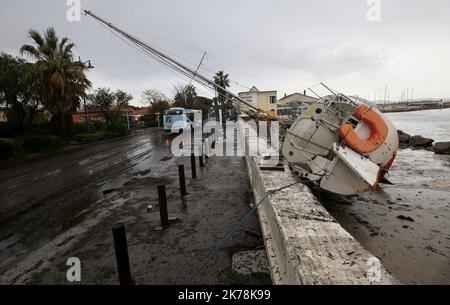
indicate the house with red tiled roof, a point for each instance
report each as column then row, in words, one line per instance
column 135, row 113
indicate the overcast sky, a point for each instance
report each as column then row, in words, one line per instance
column 272, row 44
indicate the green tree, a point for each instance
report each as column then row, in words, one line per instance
column 109, row 103
column 159, row 107
column 151, row 96
column 58, row 80
column 204, row 104
column 185, row 96
column 15, row 93
column 223, row 81
column 122, row 99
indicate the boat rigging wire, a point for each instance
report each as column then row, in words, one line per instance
column 140, row 52
column 173, row 64
column 205, row 67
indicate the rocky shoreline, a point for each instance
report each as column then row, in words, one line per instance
column 419, row 142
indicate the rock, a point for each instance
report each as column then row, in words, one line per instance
column 403, row 137
column 442, row 148
column 109, row 191
column 407, row 218
column 253, row 233
column 149, row 208
column 419, row 141
column 250, row 263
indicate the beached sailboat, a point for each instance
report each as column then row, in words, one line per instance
column 344, row 145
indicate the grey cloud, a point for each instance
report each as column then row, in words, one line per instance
column 272, row 39
column 326, row 59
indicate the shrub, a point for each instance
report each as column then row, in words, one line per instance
column 114, row 130
column 117, row 129
column 148, row 121
column 10, row 148
column 42, row 143
column 41, row 129
column 7, row 130
column 94, row 126
column 92, row 137
column 78, row 128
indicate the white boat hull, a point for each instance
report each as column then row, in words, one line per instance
column 315, row 148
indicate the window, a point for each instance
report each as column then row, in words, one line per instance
column 273, row 99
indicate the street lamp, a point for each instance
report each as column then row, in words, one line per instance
column 158, row 119
column 86, row 118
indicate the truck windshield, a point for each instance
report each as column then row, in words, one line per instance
column 174, row 112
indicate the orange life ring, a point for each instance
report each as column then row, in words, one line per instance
column 378, row 127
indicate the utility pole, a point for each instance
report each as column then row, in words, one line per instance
column 86, row 118
column 158, row 118
column 128, row 120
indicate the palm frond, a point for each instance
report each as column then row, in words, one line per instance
column 37, row 38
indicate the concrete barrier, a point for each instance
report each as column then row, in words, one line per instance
column 304, row 243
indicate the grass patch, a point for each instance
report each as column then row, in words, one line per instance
column 10, row 149
column 42, row 143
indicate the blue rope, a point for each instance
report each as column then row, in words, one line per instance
column 229, row 236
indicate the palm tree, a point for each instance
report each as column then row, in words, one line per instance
column 58, row 80
column 185, row 95
column 190, row 94
column 220, row 79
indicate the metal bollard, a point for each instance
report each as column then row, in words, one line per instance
column 246, row 145
column 200, row 158
column 182, row 180
column 206, row 148
column 163, row 205
column 123, row 262
column 193, row 168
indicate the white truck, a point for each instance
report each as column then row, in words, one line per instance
column 177, row 120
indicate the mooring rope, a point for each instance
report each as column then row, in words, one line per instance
column 229, row 236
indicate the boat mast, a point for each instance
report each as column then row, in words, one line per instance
column 173, row 61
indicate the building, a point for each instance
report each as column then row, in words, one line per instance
column 134, row 113
column 2, row 114
column 292, row 105
column 79, row 116
column 265, row 100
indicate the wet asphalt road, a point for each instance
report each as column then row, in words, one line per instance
column 65, row 206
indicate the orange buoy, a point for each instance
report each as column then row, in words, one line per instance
column 378, row 128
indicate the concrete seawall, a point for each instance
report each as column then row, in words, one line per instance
column 413, row 106
column 304, row 243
